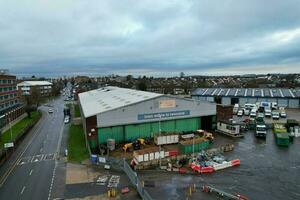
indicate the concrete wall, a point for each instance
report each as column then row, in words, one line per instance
column 130, row 114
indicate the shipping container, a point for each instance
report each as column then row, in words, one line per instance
column 187, row 148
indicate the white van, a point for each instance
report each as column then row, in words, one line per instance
column 253, row 113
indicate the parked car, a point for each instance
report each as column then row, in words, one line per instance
column 282, row 112
column 268, row 112
column 247, row 112
column 67, row 119
column 260, row 115
column 50, row 110
column 275, row 115
column 240, row 113
column 253, row 113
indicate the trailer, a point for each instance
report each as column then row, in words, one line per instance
column 229, row 128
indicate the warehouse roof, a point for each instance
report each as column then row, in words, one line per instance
column 34, row 83
column 248, row 92
column 108, row 98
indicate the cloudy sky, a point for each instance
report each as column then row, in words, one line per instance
column 160, row 38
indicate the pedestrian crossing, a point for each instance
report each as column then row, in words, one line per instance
column 37, row 158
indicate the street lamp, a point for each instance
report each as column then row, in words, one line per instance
column 159, row 129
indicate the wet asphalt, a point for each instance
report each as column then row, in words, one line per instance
column 266, row 172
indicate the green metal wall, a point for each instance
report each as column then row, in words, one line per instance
column 131, row 132
column 188, row 149
column 115, row 132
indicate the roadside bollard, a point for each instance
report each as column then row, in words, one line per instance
column 190, row 190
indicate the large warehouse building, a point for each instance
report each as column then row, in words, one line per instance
column 284, row 97
column 126, row 114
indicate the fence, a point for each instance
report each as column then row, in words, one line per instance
column 131, row 174
column 136, row 181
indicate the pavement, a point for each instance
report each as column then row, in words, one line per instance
column 36, row 164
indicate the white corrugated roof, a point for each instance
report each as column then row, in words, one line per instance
column 108, row 98
column 34, row 83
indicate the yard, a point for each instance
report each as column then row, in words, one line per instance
column 77, row 150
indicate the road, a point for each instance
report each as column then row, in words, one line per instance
column 30, row 172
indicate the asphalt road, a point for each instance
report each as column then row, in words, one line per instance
column 30, row 172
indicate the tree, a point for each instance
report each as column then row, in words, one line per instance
column 35, row 96
column 181, row 74
column 142, row 85
column 28, row 104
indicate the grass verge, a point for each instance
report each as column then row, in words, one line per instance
column 77, row 151
column 18, row 128
column 77, row 110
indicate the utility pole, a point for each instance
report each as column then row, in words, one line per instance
column 10, row 128
column 159, row 129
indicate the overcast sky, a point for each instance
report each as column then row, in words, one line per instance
column 160, row 38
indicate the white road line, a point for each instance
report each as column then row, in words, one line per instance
column 30, row 172
column 23, row 189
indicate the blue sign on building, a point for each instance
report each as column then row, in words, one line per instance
column 163, row 115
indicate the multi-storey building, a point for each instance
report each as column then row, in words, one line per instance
column 10, row 107
column 44, row 87
column 8, row 92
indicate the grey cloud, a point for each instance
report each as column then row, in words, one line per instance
column 103, row 37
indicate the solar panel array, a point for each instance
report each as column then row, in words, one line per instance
column 248, row 92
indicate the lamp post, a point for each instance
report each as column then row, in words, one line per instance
column 10, row 127
column 159, row 129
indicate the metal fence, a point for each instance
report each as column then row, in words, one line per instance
column 131, row 174
column 136, row 181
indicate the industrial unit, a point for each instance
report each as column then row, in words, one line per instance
column 126, row 114
column 284, row 97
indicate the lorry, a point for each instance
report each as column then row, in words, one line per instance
column 260, row 129
column 281, row 135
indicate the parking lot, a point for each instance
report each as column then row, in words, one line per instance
column 291, row 114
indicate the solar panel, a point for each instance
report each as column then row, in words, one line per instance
column 286, row 92
column 231, row 92
column 267, row 92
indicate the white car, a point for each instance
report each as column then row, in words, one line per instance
column 283, row 114
column 247, row 112
column 253, row 113
column 240, row 113
column 50, row 110
column 268, row 112
column 67, row 120
column 275, row 115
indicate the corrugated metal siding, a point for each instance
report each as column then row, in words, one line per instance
column 226, row 100
column 187, row 124
column 146, row 130
column 293, row 103
column 243, row 101
column 115, row 132
column 282, row 102
column 168, row 125
column 93, row 144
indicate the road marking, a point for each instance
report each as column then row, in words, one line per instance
column 30, row 172
column 37, row 127
column 52, row 181
column 23, row 189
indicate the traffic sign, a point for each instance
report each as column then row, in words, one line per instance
column 7, row 145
